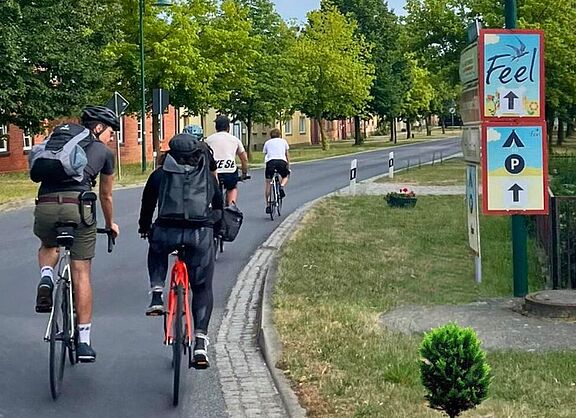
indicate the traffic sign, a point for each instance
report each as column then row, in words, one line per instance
column 469, row 65
column 472, row 207
column 511, row 74
column 117, row 103
column 470, row 106
column 471, row 143
column 514, row 169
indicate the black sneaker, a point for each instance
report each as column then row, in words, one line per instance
column 44, row 295
column 85, row 353
column 156, row 307
column 268, row 209
column 282, row 193
column 200, row 360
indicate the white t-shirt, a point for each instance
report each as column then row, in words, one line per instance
column 225, row 147
column 275, row 149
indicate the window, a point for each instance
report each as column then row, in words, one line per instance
column 27, row 141
column 302, row 124
column 288, row 127
column 139, row 130
column 120, row 133
column 3, row 138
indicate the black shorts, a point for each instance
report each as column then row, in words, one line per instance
column 280, row 166
column 229, row 180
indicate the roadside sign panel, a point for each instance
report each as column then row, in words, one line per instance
column 470, row 106
column 514, row 169
column 472, row 207
column 511, row 74
column 469, row 64
column 471, row 143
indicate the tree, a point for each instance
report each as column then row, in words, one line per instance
column 416, row 101
column 50, row 51
column 335, row 65
column 273, row 75
column 381, row 28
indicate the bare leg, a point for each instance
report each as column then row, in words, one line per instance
column 266, row 191
column 48, row 256
column 284, row 181
column 231, row 195
column 82, row 290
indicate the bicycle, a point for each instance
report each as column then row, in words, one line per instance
column 218, row 241
column 61, row 332
column 177, row 334
column 274, row 198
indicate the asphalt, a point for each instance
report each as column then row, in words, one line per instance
column 132, row 375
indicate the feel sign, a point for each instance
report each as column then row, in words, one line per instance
column 511, row 74
column 514, row 169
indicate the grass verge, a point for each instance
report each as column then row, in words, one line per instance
column 354, row 258
column 450, row 173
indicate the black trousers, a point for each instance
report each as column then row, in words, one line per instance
column 199, row 259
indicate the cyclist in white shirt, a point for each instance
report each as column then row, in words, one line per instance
column 226, row 147
column 277, row 158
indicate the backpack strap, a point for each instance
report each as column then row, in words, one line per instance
column 69, row 146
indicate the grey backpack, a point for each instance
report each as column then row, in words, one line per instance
column 61, row 156
column 186, row 190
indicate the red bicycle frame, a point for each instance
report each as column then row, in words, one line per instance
column 179, row 276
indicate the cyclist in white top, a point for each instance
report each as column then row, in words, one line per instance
column 277, row 158
column 226, row 147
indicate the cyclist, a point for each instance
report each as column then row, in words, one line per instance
column 277, row 158
column 58, row 201
column 170, row 233
column 226, row 147
column 195, row 131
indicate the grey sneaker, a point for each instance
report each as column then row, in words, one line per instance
column 200, row 360
column 44, row 295
column 85, row 353
column 156, row 307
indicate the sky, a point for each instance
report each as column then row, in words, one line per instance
column 297, row 9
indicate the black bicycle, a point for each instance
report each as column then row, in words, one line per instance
column 61, row 332
column 218, row 241
column 274, row 198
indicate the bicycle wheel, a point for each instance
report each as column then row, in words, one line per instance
column 278, row 198
column 177, row 343
column 272, row 200
column 72, row 341
column 58, row 340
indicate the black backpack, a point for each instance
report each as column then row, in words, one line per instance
column 186, row 190
column 61, row 157
column 232, row 219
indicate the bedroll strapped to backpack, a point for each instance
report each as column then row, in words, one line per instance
column 186, row 190
column 61, row 156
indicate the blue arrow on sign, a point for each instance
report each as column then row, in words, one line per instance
column 513, row 139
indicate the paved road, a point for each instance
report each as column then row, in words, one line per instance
column 131, row 377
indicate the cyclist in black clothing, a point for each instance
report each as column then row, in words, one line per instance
column 167, row 235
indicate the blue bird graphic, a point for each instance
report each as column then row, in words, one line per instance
column 519, row 52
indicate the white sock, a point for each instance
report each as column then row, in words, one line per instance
column 47, row 271
column 84, row 333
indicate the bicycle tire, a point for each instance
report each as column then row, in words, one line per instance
column 72, row 341
column 278, row 199
column 216, row 246
column 272, row 200
column 177, row 343
column 57, row 341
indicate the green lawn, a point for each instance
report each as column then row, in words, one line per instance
column 450, row 172
column 354, row 258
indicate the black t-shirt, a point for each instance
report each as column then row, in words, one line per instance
column 100, row 160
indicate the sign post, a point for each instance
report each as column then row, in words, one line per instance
column 118, row 104
column 473, row 217
column 391, row 165
column 512, row 108
column 353, row 165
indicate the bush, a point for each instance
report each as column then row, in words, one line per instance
column 454, row 369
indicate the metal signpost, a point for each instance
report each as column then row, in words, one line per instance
column 119, row 105
column 473, row 217
column 514, row 158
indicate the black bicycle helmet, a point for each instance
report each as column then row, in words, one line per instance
column 101, row 114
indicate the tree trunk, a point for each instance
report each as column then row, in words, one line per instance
column 203, row 121
column 357, row 134
column 249, row 139
column 429, row 124
column 443, row 126
column 408, row 128
column 570, row 128
column 391, row 129
column 550, row 115
column 560, row 134
column 395, row 130
column 323, row 141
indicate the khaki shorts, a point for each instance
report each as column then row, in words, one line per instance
column 46, row 215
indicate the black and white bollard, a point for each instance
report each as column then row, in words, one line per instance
column 391, row 165
column 353, row 172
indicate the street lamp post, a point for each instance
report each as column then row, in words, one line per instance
column 142, row 78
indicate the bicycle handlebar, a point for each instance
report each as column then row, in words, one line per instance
column 111, row 238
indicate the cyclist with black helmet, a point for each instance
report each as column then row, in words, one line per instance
column 59, row 201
